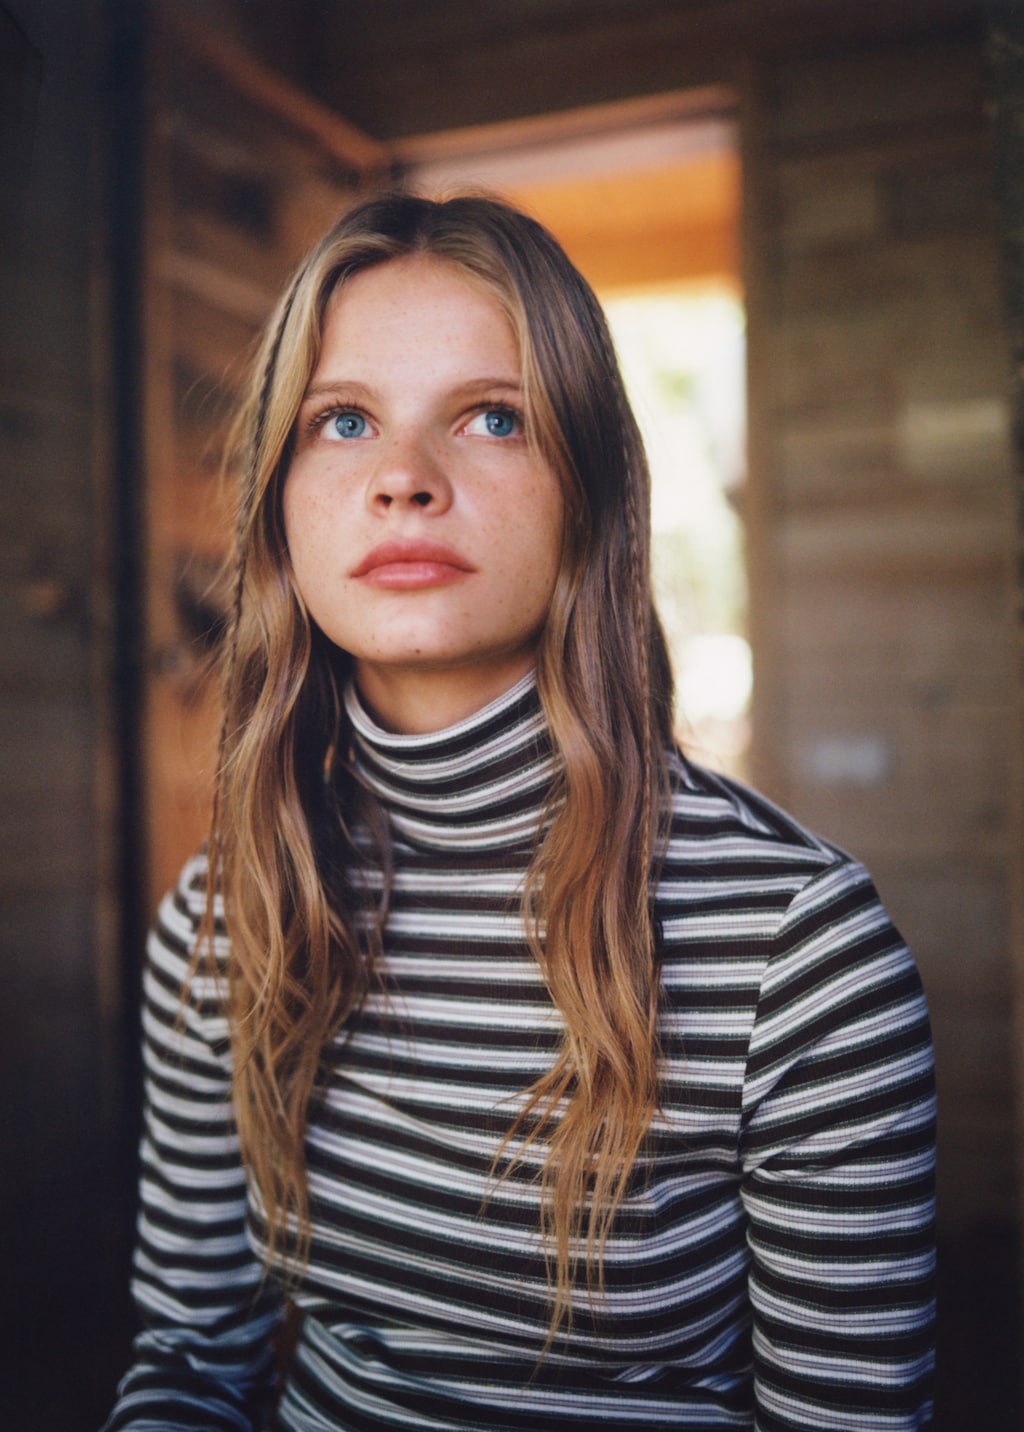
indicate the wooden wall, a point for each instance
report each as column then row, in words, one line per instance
column 65, row 1228
column 1004, row 52
column 881, row 532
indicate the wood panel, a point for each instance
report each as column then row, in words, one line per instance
column 1005, row 45
column 244, row 173
column 881, row 483
column 60, row 1061
column 453, row 62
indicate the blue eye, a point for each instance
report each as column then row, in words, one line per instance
column 496, row 423
column 500, row 423
column 347, row 425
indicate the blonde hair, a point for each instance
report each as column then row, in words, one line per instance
column 298, row 965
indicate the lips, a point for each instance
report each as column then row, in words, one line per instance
column 411, row 563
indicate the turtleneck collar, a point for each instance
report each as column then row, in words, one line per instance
column 481, row 783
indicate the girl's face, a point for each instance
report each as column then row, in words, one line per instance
column 424, row 534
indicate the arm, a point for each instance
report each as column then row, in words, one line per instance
column 204, row 1357
column 838, row 1157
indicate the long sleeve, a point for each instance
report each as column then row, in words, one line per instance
column 837, row 1155
column 204, row 1357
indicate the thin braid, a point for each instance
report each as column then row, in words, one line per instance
column 640, row 601
column 269, row 369
column 637, row 514
column 637, row 510
column 246, row 498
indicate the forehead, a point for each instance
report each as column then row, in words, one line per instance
column 417, row 293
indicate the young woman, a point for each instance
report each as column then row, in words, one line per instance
column 556, row 1082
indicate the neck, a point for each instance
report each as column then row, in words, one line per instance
column 416, row 702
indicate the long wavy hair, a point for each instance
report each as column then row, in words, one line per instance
column 300, row 960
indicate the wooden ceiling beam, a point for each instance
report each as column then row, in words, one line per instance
column 249, row 77
column 457, row 63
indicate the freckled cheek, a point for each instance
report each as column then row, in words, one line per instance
column 312, row 532
column 295, row 507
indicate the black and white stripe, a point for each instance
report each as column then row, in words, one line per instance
column 771, row 1267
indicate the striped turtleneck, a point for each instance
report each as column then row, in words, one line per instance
column 771, row 1264
column 478, row 785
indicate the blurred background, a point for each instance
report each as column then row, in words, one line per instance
column 806, row 220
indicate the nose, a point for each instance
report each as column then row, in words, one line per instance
column 409, row 472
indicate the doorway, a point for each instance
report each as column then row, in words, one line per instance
column 645, row 198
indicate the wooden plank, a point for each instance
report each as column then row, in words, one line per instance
column 955, row 922
column 246, row 76
column 948, row 454
column 912, row 542
column 844, row 207
column 910, row 276
column 875, row 91
column 234, row 293
column 760, row 496
column 926, row 639
column 973, row 1056
column 521, row 60
column 976, row 1187
column 1005, row 47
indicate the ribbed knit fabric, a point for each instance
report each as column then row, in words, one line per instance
column 772, row 1265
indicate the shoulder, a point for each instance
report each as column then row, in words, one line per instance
column 184, row 988
column 768, row 921
column 741, row 877
column 180, row 921
column 182, row 910
column 727, row 843
column 707, row 807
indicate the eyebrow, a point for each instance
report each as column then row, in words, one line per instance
column 473, row 386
